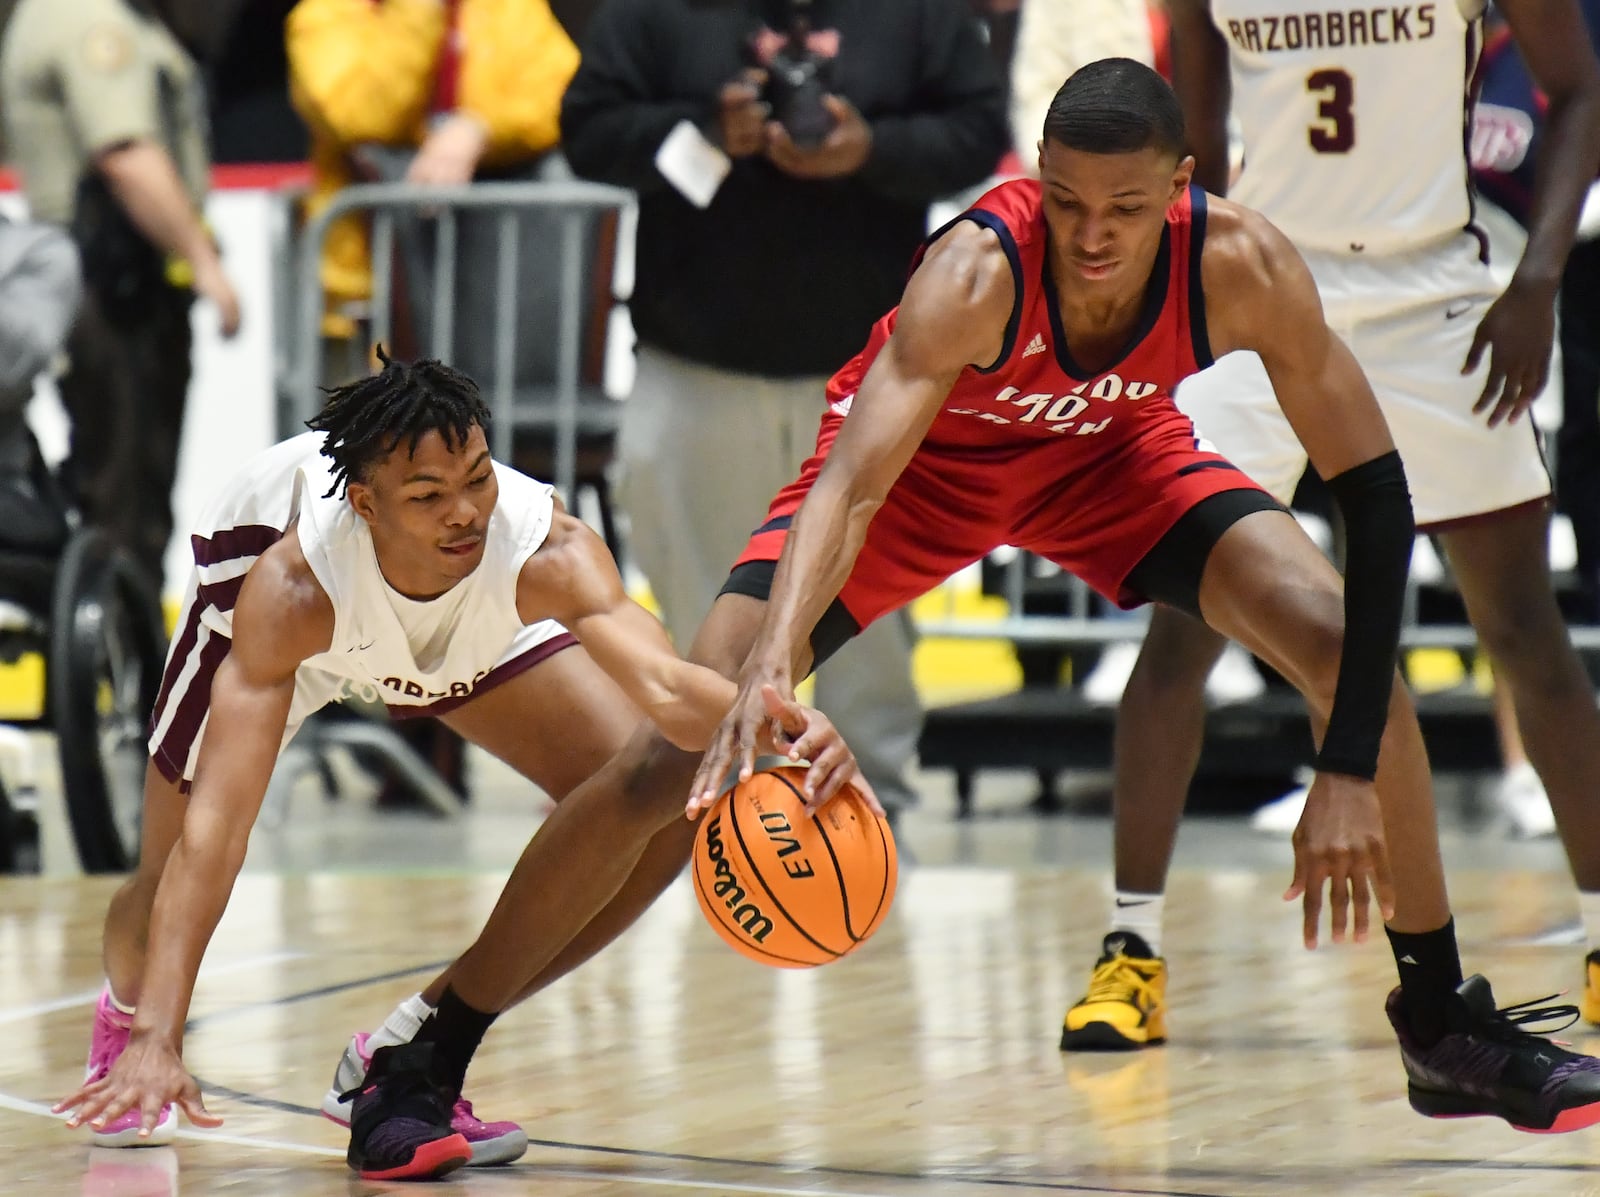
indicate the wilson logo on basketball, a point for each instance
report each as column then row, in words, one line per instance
column 726, row 887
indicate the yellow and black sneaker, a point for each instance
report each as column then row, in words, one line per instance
column 1126, row 1006
column 1591, row 989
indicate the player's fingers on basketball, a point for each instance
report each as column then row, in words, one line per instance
column 707, row 779
column 864, row 788
column 826, row 777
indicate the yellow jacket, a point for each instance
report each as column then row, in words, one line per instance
column 363, row 71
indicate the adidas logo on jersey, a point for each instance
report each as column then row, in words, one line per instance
column 1034, row 346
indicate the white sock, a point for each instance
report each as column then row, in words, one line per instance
column 1589, row 908
column 1141, row 914
column 402, row 1025
column 120, row 1008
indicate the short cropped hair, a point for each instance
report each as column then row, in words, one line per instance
column 1116, row 106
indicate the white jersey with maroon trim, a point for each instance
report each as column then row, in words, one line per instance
column 414, row 653
column 1354, row 119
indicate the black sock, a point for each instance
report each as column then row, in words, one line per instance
column 455, row 1029
column 1430, row 971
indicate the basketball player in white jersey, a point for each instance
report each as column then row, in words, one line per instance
column 386, row 555
column 1354, row 122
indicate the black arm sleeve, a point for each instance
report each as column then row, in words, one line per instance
column 957, row 136
column 1379, row 529
column 612, row 121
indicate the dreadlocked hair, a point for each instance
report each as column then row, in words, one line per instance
column 366, row 420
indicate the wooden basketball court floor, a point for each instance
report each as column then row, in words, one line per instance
column 925, row 1065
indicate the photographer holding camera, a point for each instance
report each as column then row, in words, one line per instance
column 785, row 153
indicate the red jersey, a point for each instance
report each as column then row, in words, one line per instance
column 1035, row 388
column 1087, row 469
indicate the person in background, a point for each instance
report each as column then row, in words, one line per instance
column 468, row 85
column 105, row 120
column 785, row 155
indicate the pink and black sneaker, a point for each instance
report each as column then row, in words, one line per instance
column 1488, row 1065
column 491, row 1142
column 109, row 1040
column 400, row 1119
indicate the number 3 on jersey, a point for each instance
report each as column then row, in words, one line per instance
column 1335, row 131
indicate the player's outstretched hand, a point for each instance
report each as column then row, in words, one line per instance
column 733, row 744
column 765, row 715
column 1340, row 842
column 148, row 1075
column 803, row 733
column 1518, row 330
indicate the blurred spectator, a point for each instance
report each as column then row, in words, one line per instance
column 468, row 85
column 105, row 119
column 39, row 294
column 1054, row 39
column 252, row 117
column 785, row 155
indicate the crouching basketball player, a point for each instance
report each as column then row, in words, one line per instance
column 388, row 554
column 1020, row 394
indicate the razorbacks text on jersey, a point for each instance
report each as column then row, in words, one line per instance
column 1035, row 388
column 1356, row 116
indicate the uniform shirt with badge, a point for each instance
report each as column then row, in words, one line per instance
column 78, row 77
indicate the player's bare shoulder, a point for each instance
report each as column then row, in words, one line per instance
column 1253, row 277
column 959, row 299
column 570, row 573
column 282, row 608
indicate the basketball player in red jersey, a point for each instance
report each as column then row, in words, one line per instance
column 1020, row 394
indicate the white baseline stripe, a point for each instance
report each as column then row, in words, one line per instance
column 19, row 1105
column 89, row 997
column 39, row 1109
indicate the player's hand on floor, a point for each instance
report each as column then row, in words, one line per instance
column 1339, row 842
column 148, row 1075
column 1518, row 331
column 803, row 733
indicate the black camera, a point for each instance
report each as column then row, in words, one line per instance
column 797, row 81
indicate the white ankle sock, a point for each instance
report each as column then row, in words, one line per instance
column 402, row 1025
column 120, row 1008
column 1589, row 908
column 1141, row 914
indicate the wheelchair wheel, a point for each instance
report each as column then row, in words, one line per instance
column 106, row 651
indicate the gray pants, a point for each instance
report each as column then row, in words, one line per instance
column 703, row 452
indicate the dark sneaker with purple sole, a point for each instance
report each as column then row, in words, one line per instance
column 1487, row 1065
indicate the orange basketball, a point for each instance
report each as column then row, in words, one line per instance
column 786, row 889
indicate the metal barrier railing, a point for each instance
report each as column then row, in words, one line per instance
column 555, row 406
column 1082, row 628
